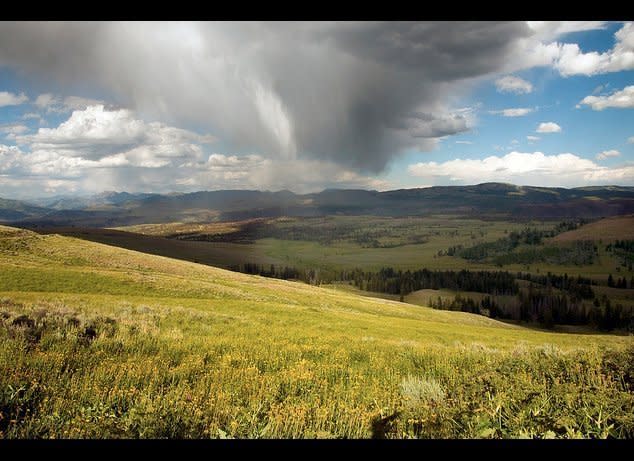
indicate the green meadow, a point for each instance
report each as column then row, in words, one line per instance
column 327, row 243
column 335, row 243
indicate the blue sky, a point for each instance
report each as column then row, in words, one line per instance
column 554, row 98
column 181, row 106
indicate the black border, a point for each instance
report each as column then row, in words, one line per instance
column 117, row 10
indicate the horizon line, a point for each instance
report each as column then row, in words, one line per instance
column 82, row 195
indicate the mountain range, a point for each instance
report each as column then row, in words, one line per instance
column 490, row 200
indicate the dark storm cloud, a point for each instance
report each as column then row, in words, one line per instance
column 422, row 125
column 437, row 50
column 343, row 92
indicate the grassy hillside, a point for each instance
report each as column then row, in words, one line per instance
column 97, row 341
column 220, row 254
column 607, row 230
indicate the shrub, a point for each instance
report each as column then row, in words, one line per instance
column 419, row 391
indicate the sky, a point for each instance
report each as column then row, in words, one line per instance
column 87, row 107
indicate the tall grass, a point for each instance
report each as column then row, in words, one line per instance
column 180, row 373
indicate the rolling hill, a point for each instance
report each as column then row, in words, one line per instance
column 97, row 341
column 608, row 230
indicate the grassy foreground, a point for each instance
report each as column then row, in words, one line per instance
column 97, row 341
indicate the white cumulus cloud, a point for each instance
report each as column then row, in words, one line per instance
column 11, row 99
column 607, row 154
column 533, row 138
column 572, row 61
column 55, row 103
column 622, row 99
column 542, row 48
column 10, row 159
column 516, row 112
column 548, row 127
column 96, row 133
column 512, row 84
column 537, row 168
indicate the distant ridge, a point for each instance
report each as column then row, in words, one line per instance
column 490, row 199
column 15, row 210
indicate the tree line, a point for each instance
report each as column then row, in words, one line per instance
column 501, row 250
column 579, row 287
column 389, row 280
column 392, row 281
column 547, row 309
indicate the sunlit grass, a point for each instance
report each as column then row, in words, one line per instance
column 102, row 342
